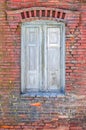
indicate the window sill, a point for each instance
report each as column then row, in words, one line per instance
column 43, row 94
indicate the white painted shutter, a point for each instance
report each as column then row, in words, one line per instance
column 53, row 57
column 32, row 58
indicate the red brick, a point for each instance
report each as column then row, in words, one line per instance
column 16, row 111
column 76, row 128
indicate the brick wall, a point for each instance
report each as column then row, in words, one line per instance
column 28, row 113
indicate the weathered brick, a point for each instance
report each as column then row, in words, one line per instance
column 76, row 128
column 16, row 111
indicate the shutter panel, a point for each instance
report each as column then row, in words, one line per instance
column 32, row 58
column 53, row 58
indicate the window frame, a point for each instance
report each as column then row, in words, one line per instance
column 62, row 51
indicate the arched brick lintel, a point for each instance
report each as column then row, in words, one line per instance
column 43, row 12
column 39, row 13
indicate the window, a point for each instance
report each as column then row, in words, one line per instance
column 43, row 57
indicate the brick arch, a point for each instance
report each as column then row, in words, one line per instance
column 42, row 12
column 36, row 13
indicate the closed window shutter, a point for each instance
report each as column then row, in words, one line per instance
column 42, row 51
column 53, row 57
column 32, row 57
